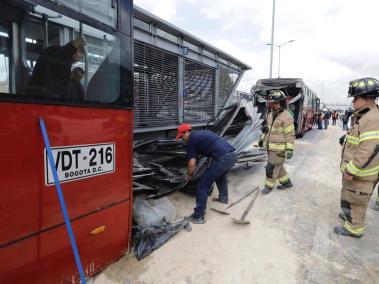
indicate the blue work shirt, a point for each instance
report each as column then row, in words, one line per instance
column 207, row 143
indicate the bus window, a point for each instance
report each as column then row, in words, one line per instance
column 4, row 60
column 102, row 10
column 70, row 61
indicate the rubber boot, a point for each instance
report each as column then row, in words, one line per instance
column 285, row 186
column 266, row 190
column 339, row 230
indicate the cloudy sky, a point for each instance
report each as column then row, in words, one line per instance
column 334, row 41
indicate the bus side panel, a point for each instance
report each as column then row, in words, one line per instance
column 29, row 206
column 48, row 257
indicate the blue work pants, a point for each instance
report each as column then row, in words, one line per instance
column 217, row 172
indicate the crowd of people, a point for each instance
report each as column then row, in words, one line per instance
column 322, row 118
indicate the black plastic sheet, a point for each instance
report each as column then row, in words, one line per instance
column 149, row 238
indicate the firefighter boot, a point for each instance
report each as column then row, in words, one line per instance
column 285, row 186
column 340, row 230
column 266, row 190
column 375, row 206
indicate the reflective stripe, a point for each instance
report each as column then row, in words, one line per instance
column 357, row 232
column 354, row 170
column 352, row 140
column 343, row 168
column 289, row 129
column 290, row 146
column 269, row 184
column 284, row 179
column 277, row 146
column 370, row 135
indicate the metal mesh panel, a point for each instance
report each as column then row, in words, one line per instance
column 155, row 87
column 199, row 96
column 227, row 80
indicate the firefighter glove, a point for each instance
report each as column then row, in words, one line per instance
column 342, row 139
column 265, row 129
column 289, row 154
column 260, row 143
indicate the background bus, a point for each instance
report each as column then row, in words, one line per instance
column 303, row 103
column 91, row 136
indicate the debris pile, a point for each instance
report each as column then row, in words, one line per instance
column 159, row 166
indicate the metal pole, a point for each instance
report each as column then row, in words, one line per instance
column 272, row 36
column 46, row 31
column 279, row 63
column 61, row 201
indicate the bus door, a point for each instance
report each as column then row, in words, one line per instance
column 87, row 109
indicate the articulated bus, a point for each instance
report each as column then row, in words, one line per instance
column 302, row 102
column 91, row 137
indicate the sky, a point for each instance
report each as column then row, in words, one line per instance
column 334, row 41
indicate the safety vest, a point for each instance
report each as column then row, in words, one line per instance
column 360, row 150
column 281, row 131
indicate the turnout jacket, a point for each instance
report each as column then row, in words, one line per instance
column 360, row 151
column 281, row 131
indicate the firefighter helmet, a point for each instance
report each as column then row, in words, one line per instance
column 276, row 96
column 365, row 87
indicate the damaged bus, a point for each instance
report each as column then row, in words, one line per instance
column 90, row 132
column 302, row 102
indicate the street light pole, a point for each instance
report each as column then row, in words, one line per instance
column 272, row 36
column 279, row 46
column 279, row 62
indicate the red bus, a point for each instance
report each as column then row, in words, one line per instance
column 91, row 137
column 303, row 103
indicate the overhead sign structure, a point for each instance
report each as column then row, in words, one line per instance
column 79, row 162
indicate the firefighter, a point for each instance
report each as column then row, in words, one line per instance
column 360, row 159
column 279, row 142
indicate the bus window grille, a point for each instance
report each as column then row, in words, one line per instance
column 155, row 87
column 199, row 94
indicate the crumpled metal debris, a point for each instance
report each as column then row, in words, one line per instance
column 161, row 163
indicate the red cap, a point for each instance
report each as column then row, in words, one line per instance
column 183, row 128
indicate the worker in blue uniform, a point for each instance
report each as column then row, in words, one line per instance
column 208, row 144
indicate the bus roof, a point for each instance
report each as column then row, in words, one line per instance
column 174, row 30
column 278, row 83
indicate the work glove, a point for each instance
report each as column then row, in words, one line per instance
column 342, row 139
column 265, row 129
column 260, row 143
column 289, row 154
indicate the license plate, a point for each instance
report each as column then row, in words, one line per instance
column 81, row 161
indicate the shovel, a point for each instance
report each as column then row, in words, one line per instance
column 243, row 217
column 234, row 203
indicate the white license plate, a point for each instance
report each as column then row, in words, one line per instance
column 81, row 161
